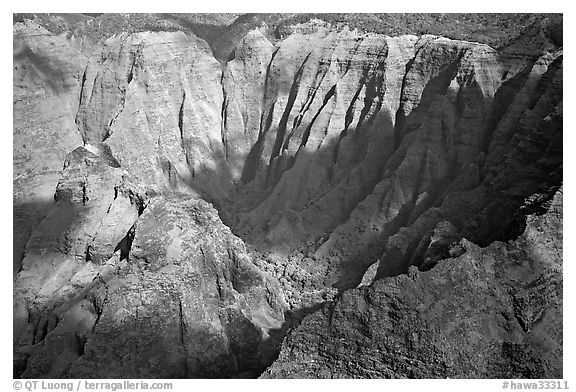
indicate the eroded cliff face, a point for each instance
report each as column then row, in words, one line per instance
column 46, row 85
column 339, row 158
column 117, row 283
column 493, row 312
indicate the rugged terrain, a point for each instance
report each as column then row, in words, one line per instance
column 480, row 312
column 178, row 215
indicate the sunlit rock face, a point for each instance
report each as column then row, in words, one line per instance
column 153, row 102
column 46, row 85
column 191, row 211
column 118, row 284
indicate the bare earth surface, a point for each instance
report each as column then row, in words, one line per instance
column 304, row 200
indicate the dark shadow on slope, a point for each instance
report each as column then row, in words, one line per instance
column 283, row 165
column 504, row 96
column 495, row 208
column 438, row 85
column 355, row 265
column 208, row 32
column 360, row 158
column 530, row 166
column 75, row 337
column 26, row 215
column 40, row 67
column 286, row 166
column 44, row 226
column 292, row 318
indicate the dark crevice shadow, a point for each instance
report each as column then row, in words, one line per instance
column 292, row 319
column 280, row 167
column 504, row 97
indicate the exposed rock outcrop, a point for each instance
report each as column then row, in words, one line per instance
column 338, row 158
column 115, row 285
column 348, row 139
column 96, row 206
column 491, row 312
column 189, row 303
column 46, row 85
column 152, row 101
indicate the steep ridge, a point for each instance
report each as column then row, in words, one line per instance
column 338, row 157
column 118, row 284
column 393, row 166
column 427, row 325
column 46, row 84
column 142, row 106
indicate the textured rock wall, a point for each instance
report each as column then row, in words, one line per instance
column 493, row 312
column 340, row 138
column 340, row 158
column 46, row 86
column 115, row 284
column 152, row 102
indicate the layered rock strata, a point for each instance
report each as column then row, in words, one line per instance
column 340, row 158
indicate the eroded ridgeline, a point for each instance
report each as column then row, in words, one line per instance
column 328, row 153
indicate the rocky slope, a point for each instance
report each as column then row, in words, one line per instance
column 46, row 85
column 491, row 312
column 115, row 284
column 339, row 158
